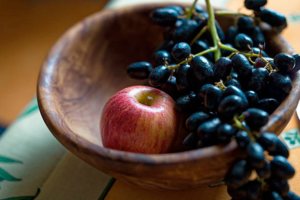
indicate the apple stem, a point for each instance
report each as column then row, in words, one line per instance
column 149, row 99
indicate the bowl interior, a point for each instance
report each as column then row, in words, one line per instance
column 91, row 66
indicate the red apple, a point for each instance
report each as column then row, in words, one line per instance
column 139, row 119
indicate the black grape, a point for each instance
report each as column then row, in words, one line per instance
column 181, row 51
column 269, row 105
column 268, row 141
column 244, row 24
column 202, row 69
column 212, row 97
column 243, row 42
column 195, row 120
column 234, row 75
column 232, row 90
column 170, row 87
column 233, row 82
column 274, row 18
column 254, row 4
column 159, row 75
column 231, row 34
column 258, row 80
column 178, row 9
column 185, row 103
column 241, row 65
column 229, row 107
column 281, row 149
column 264, row 172
column 225, row 133
column 161, row 56
column 207, row 131
column 222, row 68
column 256, row 118
column 280, row 86
column 278, row 185
column 164, row 16
column 252, row 98
column 202, row 91
column 139, row 70
column 284, row 62
column 190, row 141
column 281, row 168
column 257, row 36
column 256, row 155
column 242, row 139
column 239, row 174
column 200, row 46
column 184, row 77
column 199, row 8
column 186, row 32
column 166, row 45
column 169, row 30
column 253, row 189
column 297, row 64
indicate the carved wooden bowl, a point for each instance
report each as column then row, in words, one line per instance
column 87, row 65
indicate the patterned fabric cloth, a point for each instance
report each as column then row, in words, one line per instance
column 34, row 165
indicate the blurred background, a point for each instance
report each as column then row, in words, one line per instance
column 28, row 29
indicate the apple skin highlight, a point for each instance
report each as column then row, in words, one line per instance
column 128, row 124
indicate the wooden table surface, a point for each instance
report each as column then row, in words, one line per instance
column 28, row 28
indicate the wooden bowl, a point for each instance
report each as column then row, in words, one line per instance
column 87, row 65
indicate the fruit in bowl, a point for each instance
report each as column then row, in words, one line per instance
column 221, row 109
column 87, row 65
column 139, row 119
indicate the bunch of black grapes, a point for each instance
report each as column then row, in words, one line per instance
column 230, row 98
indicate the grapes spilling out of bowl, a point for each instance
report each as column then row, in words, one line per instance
column 228, row 86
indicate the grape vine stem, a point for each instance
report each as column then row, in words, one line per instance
column 199, row 35
column 225, row 12
column 211, row 26
column 213, row 30
column 239, row 125
column 190, row 12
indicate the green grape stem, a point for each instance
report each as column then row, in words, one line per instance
column 213, row 30
column 198, row 35
column 225, row 12
column 190, row 12
column 220, row 85
column 190, row 58
column 238, row 124
column 216, row 49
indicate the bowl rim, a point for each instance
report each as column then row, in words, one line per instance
column 63, row 133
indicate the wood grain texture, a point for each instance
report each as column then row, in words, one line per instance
column 87, row 65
